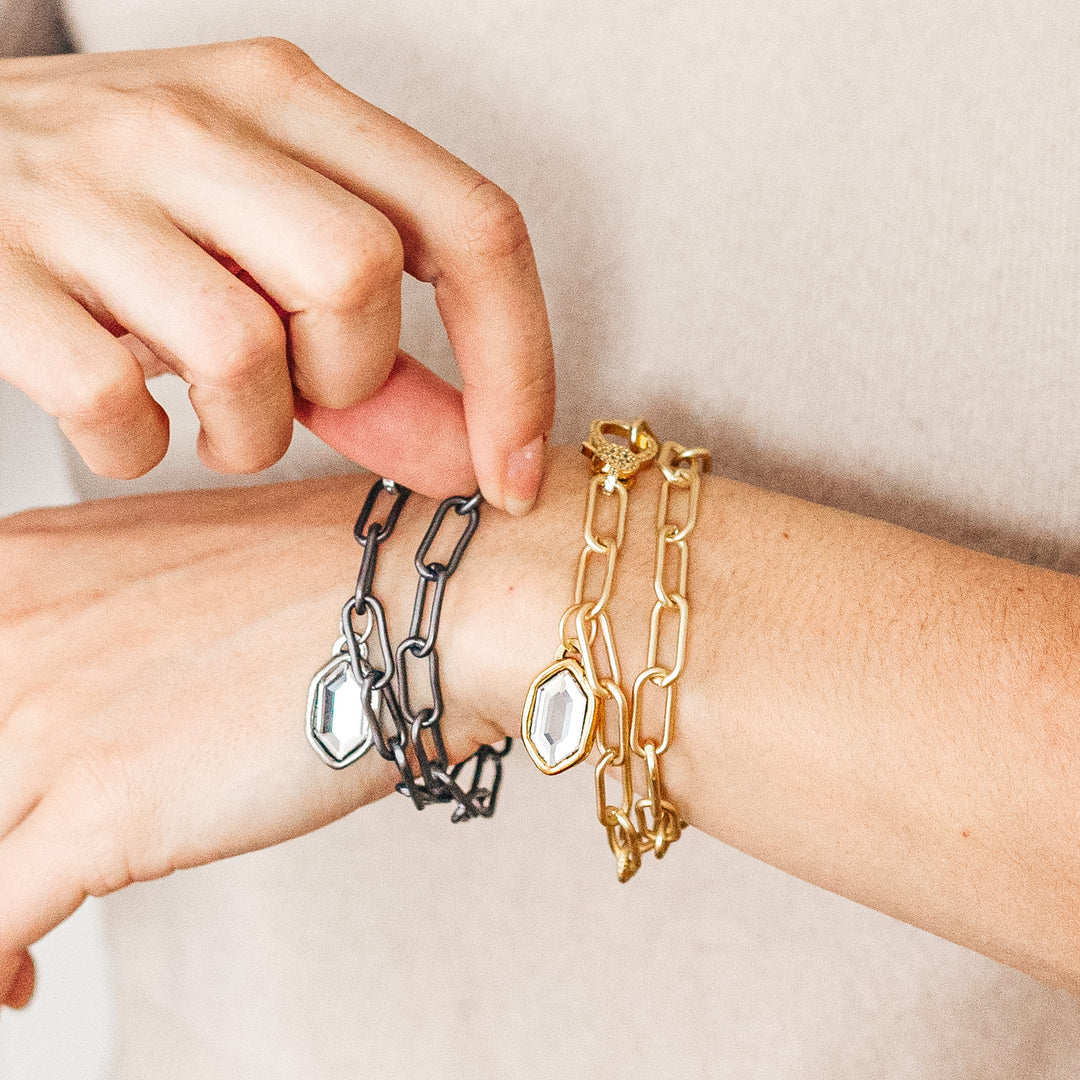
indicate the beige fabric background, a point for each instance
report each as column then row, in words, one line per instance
column 840, row 244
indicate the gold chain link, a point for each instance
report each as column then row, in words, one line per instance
column 649, row 822
column 658, row 823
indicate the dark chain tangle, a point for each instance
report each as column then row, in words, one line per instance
column 396, row 725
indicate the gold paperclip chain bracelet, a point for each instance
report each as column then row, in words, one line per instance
column 581, row 699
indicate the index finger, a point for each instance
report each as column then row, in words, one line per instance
column 460, row 233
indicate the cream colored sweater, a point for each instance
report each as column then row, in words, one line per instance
column 848, row 235
column 30, row 27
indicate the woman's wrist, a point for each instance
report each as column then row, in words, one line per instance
column 501, row 609
column 881, row 713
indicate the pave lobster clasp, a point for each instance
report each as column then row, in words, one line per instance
column 621, row 463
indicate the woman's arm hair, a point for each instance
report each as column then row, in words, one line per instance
column 883, row 714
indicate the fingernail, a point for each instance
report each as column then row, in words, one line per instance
column 524, row 468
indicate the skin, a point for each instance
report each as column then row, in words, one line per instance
column 883, row 714
column 229, row 213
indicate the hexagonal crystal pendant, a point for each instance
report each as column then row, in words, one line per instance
column 338, row 726
column 558, row 721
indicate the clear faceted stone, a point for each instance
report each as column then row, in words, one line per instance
column 558, row 719
column 341, row 726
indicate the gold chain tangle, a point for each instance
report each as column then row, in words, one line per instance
column 617, row 721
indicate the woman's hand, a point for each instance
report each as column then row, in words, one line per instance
column 156, row 654
column 247, row 220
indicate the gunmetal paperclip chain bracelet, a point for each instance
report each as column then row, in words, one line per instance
column 356, row 702
column 581, row 697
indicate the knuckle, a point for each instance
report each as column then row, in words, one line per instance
column 490, row 224
column 271, row 60
column 158, row 107
column 242, row 342
column 384, row 255
column 360, row 267
column 100, row 396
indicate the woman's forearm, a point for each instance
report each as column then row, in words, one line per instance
column 880, row 713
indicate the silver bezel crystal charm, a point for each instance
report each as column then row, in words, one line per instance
column 353, row 738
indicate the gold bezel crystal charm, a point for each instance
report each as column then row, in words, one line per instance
column 572, row 700
column 559, row 733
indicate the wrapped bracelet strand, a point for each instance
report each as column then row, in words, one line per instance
column 356, row 702
column 581, row 699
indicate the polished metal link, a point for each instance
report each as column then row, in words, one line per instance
column 467, row 506
column 617, row 697
column 584, row 627
column 624, row 841
column 681, row 610
column 666, row 826
column 659, row 824
column 664, row 544
column 586, row 665
column 365, row 529
column 598, row 487
column 409, row 735
column 610, row 554
column 650, row 822
column 651, row 676
column 688, row 477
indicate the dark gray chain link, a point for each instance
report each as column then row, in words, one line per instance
column 385, row 688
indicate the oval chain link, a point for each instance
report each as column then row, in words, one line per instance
column 415, row 734
column 589, row 619
column 585, row 632
column 650, row 822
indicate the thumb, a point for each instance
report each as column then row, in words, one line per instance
column 412, row 430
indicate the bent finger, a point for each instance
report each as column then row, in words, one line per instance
column 334, row 264
column 53, row 350
column 20, row 984
column 218, row 334
column 460, row 232
column 468, row 238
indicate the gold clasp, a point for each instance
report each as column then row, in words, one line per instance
column 618, row 462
